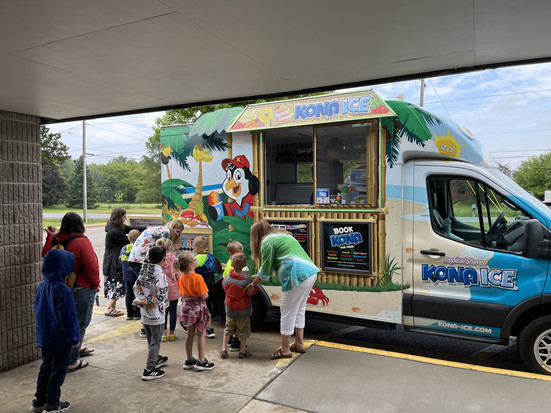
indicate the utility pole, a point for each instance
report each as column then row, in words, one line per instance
column 84, row 194
column 422, row 96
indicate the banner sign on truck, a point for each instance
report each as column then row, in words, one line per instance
column 346, row 247
column 364, row 104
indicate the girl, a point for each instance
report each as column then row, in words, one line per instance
column 194, row 310
column 173, row 291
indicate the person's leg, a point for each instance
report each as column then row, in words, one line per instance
column 84, row 304
column 129, row 297
column 43, row 377
column 305, row 287
column 58, row 371
column 290, row 304
column 153, row 343
column 111, row 305
column 189, row 340
column 173, row 311
column 201, row 343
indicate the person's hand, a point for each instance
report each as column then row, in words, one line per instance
column 250, row 289
column 51, row 230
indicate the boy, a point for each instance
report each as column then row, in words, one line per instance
column 128, row 276
column 207, row 268
column 151, row 291
column 233, row 248
column 57, row 330
column 238, row 306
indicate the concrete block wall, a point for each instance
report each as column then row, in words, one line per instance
column 20, row 236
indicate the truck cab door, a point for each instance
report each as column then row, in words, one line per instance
column 468, row 272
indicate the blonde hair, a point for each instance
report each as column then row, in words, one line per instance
column 175, row 224
column 258, row 231
column 133, row 235
column 238, row 261
column 165, row 243
column 201, row 242
column 183, row 261
column 234, row 247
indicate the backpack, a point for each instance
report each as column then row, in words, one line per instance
column 56, row 245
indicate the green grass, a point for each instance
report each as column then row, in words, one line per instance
column 104, row 208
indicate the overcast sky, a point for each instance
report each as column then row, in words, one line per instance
column 507, row 109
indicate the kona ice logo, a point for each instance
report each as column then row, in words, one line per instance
column 333, row 107
column 345, row 236
column 483, row 276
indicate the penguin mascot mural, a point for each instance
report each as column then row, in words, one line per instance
column 240, row 185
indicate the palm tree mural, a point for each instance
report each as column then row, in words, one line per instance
column 410, row 122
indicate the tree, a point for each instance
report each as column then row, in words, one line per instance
column 74, row 188
column 534, row 174
column 506, row 169
column 53, row 186
column 54, row 152
column 122, row 177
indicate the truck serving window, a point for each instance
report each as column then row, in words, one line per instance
column 469, row 211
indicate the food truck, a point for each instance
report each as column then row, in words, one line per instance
column 405, row 213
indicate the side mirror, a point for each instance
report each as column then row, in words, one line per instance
column 536, row 240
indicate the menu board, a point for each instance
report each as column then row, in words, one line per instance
column 346, row 247
column 300, row 230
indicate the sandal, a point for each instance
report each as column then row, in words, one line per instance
column 113, row 313
column 86, row 351
column 172, row 337
column 280, row 355
column 81, row 364
column 163, row 339
column 295, row 349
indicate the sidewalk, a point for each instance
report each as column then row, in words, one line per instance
column 327, row 378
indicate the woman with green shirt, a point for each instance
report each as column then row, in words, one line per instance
column 279, row 252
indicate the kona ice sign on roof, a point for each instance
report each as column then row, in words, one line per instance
column 341, row 107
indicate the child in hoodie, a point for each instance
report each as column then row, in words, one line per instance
column 238, row 306
column 57, row 330
column 151, row 290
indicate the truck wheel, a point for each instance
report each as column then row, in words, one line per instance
column 219, row 302
column 534, row 345
column 259, row 311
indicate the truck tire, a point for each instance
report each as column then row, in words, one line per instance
column 260, row 309
column 534, row 345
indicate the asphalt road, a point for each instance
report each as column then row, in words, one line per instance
column 397, row 340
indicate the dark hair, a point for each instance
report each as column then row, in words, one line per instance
column 117, row 217
column 156, row 254
column 72, row 224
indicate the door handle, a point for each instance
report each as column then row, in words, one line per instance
column 429, row 252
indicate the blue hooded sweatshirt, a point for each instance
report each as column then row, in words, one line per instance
column 54, row 304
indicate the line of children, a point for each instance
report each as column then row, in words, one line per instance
column 151, row 290
column 173, row 292
column 238, row 306
column 206, row 266
column 194, row 311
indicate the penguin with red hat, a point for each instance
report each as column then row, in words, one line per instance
column 240, row 185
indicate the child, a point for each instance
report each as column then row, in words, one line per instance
column 57, row 330
column 233, row 248
column 128, row 276
column 206, row 266
column 173, row 292
column 151, row 290
column 194, row 310
column 238, row 306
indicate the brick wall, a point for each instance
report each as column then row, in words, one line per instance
column 20, row 236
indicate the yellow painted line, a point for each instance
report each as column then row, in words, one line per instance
column 131, row 327
column 465, row 366
column 284, row 362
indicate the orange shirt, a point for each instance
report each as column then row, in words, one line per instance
column 192, row 284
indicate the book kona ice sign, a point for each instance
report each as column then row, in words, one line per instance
column 317, row 109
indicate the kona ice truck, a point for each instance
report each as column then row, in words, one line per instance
column 405, row 213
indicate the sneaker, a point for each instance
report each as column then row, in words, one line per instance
column 37, row 407
column 163, row 339
column 129, row 318
column 153, row 374
column 162, row 361
column 184, row 327
column 245, row 354
column 61, row 407
column 172, row 337
column 189, row 364
column 204, row 365
column 137, row 317
column 235, row 344
column 142, row 333
column 223, row 354
column 210, row 332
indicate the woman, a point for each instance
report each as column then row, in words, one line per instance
column 279, row 251
column 115, row 238
column 87, row 282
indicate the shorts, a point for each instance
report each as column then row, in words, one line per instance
column 241, row 326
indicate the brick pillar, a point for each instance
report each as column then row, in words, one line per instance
column 20, row 236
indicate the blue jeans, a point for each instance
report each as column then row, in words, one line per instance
column 171, row 310
column 51, row 376
column 131, row 311
column 84, row 303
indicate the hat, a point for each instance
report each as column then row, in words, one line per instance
column 240, row 161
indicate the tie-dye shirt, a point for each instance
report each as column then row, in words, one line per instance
column 145, row 241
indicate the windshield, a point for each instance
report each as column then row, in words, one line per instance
column 522, row 193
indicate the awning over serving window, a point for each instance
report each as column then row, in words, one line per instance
column 216, row 122
column 335, row 107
